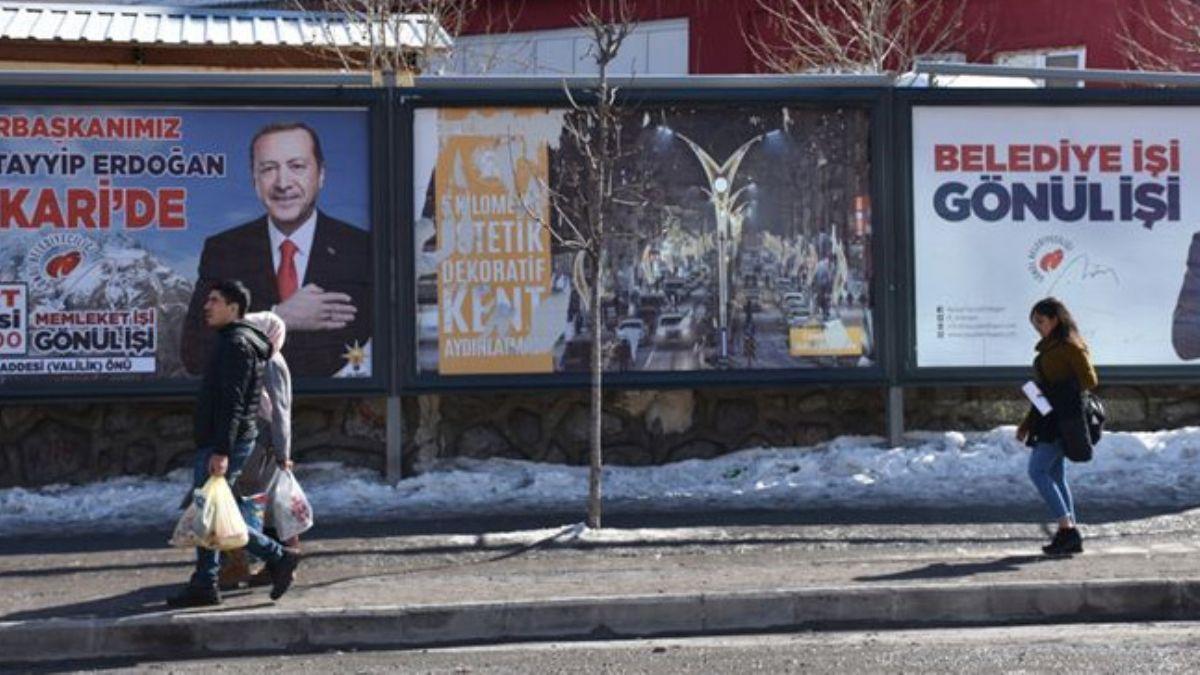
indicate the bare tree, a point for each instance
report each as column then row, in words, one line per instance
column 597, row 210
column 852, row 36
column 1165, row 36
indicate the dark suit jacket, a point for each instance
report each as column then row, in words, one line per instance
column 340, row 261
column 1185, row 328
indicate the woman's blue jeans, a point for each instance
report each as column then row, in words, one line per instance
column 1048, row 476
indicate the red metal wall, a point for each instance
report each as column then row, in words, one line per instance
column 717, row 45
column 715, row 41
column 1018, row 25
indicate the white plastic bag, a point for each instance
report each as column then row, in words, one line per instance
column 290, row 511
column 184, row 536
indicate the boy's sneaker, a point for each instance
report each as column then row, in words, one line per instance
column 192, row 596
column 283, row 572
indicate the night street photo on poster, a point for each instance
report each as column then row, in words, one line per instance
column 114, row 221
column 752, row 247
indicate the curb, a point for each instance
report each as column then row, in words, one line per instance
column 251, row 631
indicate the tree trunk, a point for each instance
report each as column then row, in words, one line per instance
column 597, row 419
column 600, row 208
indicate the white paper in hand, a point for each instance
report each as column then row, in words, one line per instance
column 1036, row 397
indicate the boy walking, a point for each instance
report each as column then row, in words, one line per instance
column 225, row 432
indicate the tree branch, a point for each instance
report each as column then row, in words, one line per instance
column 860, row 36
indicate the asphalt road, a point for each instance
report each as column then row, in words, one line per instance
column 1091, row 648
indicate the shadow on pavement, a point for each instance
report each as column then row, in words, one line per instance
column 148, row 600
column 77, row 569
column 1010, row 563
column 512, row 552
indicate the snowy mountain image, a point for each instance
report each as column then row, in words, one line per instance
column 73, row 272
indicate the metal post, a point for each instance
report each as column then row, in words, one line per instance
column 722, row 285
column 394, row 461
column 894, row 409
column 395, row 440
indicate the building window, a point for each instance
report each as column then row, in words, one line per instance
column 1065, row 57
column 941, row 57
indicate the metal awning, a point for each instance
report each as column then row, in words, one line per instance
column 207, row 27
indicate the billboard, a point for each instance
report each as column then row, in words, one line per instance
column 1088, row 204
column 114, row 220
column 749, row 246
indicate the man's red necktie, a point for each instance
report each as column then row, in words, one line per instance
column 286, row 279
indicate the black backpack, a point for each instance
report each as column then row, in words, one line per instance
column 1094, row 413
column 1079, row 434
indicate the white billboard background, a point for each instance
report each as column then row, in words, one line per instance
column 976, row 279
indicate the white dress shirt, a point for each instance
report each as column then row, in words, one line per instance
column 302, row 238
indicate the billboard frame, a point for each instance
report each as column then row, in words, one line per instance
column 905, row 326
column 876, row 101
column 374, row 101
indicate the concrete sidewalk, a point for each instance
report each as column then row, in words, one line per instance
column 76, row 599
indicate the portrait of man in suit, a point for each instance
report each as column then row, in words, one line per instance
column 1185, row 325
column 311, row 269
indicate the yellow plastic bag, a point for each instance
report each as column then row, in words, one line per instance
column 218, row 523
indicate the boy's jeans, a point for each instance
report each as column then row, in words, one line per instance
column 208, row 563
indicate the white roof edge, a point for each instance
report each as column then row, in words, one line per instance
column 256, row 20
column 176, row 10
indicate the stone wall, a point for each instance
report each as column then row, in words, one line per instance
column 47, row 444
column 640, row 427
column 645, row 427
column 1129, row 408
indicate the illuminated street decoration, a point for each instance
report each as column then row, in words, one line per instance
column 728, row 211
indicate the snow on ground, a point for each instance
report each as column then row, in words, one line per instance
column 937, row 470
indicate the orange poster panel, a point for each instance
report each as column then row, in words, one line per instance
column 492, row 217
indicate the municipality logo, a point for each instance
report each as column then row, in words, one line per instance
column 54, row 259
column 1047, row 255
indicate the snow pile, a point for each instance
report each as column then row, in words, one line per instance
column 940, row 470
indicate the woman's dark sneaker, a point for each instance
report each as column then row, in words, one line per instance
column 1054, row 543
column 283, row 572
column 263, row 578
column 192, row 596
column 1066, row 542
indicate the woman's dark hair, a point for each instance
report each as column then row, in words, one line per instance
column 1066, row 330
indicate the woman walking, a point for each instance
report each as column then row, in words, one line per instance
column 275, row 408
column 1064, row 372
